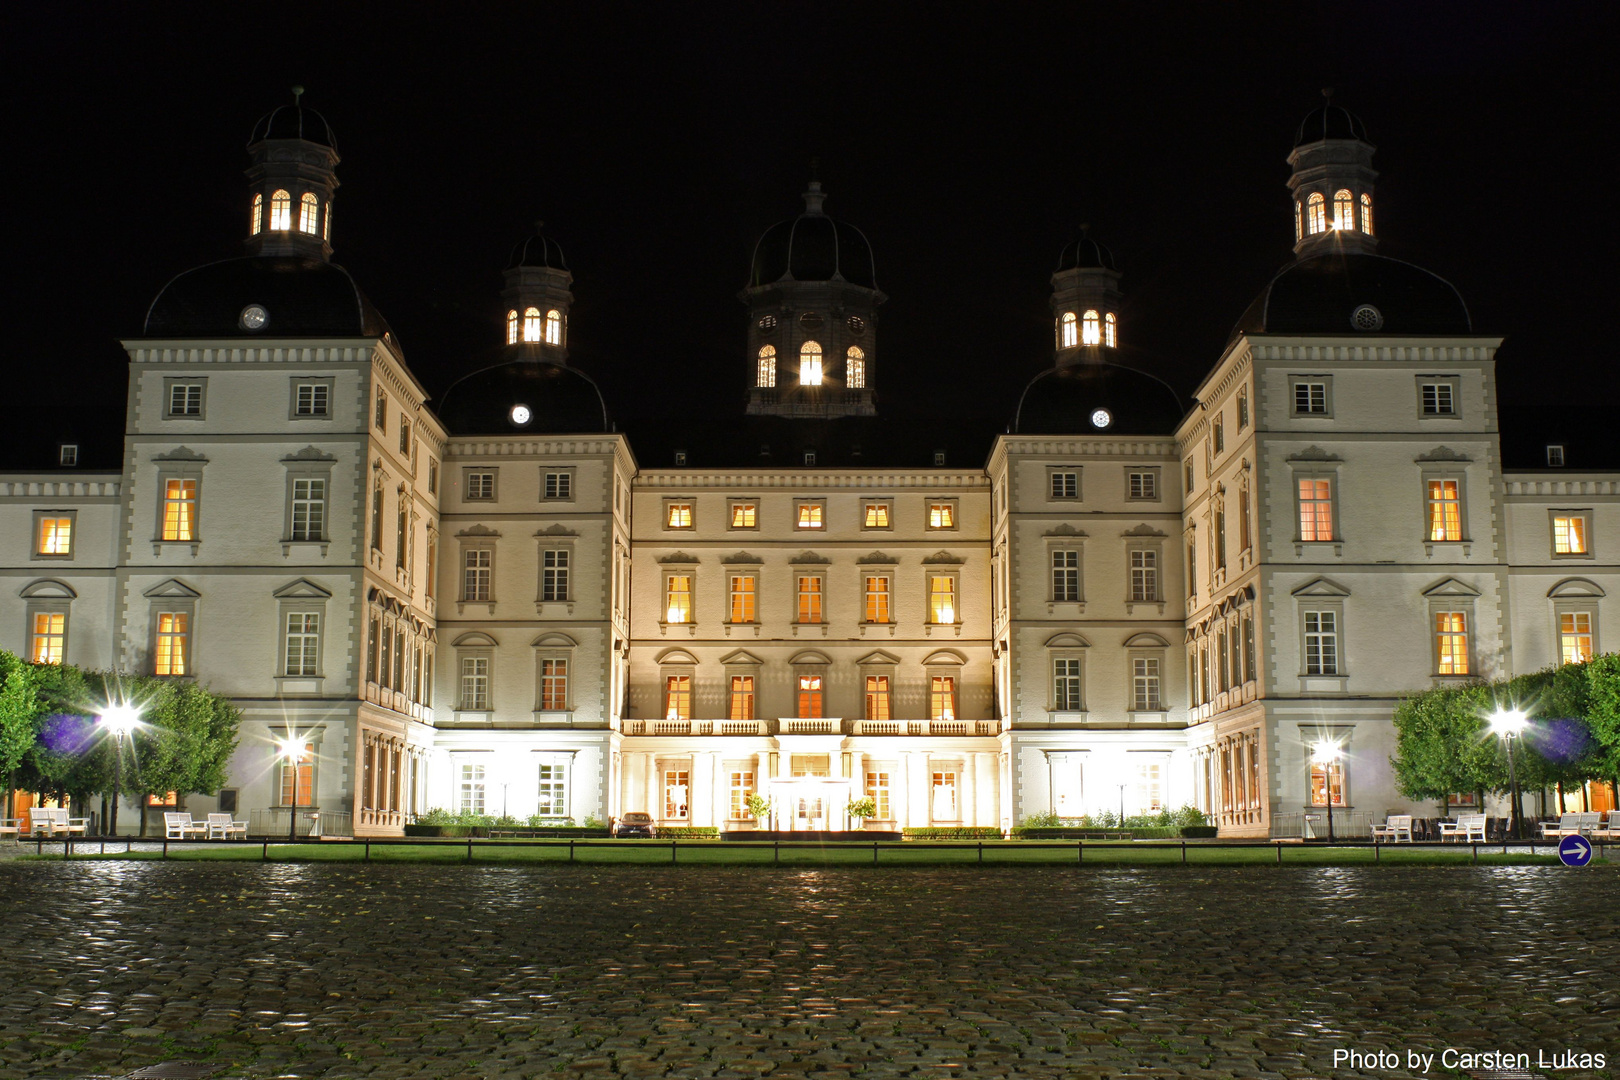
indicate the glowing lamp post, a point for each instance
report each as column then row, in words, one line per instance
column 1326, row 753
column 120, row 720
column 293, row 750
column 1510, row 724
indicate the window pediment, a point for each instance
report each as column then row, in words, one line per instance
column 878, row 659
column 1576, row 587
column 809, row 558
column 678, row 558
column 310, row 455
column 302, row 589
column 944, row 656
column 554, row 641
column 1143, row 529
column 172, row 588
column 1066, row 641
column 181, row 454
column 480, row 531
column 1314, row 454
column 1321, row 587
column 1065, row 529
column 942, row 558
column 1450, row 587
column 877, row 558
column 740, row 657
column 809, row 658
column 475, row 639
column 1146, row 641
column 1441, row 453
column 48, row 587
column 675, row 656
column 741, row 558
column 558, row 529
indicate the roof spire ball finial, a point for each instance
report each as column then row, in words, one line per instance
column 1327, row 92
column 813, row 196
column 298, row 92
column 539, row 224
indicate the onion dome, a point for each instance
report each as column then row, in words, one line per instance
column 538, row 251
column 1086, row 254
column 264, row 296
column 523, row 397
column 1097, row 399
column 1336, row 293
column 813, row 247
column 1330, row 121
column 293, row 122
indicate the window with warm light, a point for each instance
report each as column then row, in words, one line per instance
column 942, row 697
column 875, row 515
column 1316, row 214
column 678, row 598
column 471, row 790
column 743, row 592
column 554, row 575
column 1445, row 510
column 744, row 515
column 741, row 706
column 941, row 599
column 280, row 212
column 179, row 509
column 877, row 698
column 1068, row 331
column 1327, row 776
column 476, row 571
column 1144, row 574
column 942, row 515
column 326, row 223
column 170, row 653
column 1366, row 214
column 1110, row 331
column 1145, row 696
column 810, row 707
column 531, row 324
column 808, row 609
column 1090, row 329
column 742, row 786
column 475, row 683
column 878, row 789
column 49, row 637
column 309, row 214
column 1574, row 636
column 1065, row 576
column 512, row 327
column 855, row 368
column 554, row 327
column 810, row 364
column 1569, row 534
column 1066, row 685
column 1315, row 508
column 809, row 515
column 1321, row 643
column 678, row 515
column 1344, row 211
column 257, row 222
column 302, row 645
column 554, row 684
column 55, row 536
column 877, row 598
column 1451, row 642
column 678, row 697
column 767, row 366
column 677, row 791
column 298, row 778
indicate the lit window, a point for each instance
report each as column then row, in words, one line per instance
column 552, row 789
column 809, row 697
column 1110, row 331
column 1438, row 399
column 1321, row 643
column 55, row 536
column 280, row 212
column 475, row 683
column 1366, row 214
column 678, row 697
column 1144, row 575
column 303, row 643
column 941, row 698
column 476, row 574
column 512, row 327
column 767, row 366
column 678, row 516
column 185, row 399
column 298, row 779
column 1326, row 777
column 941, row 599
column 809, row 609
column 1065, row 485
column 1316, row 214
column 942, row 515
column 1344, row 211
column 472, row 789
column 554, row 327
column 878, row 788
column 1144, row 485
column 1068, row 331
column 179, row 509
column 554, row 575
column 1065, row 576
column 809, row 515
column 1445, row 510
column 744, row 515
column 1574, row 636
column 855, row 368
column 309, row 213
column 480, row 486
column 554, row 684
column 944, row 806
column 1066, row 685
column 1310, row 398
column 742, row 786
column 743, row 591
column 1090, row 329
column 810, row 364
column 1569, row 535
column 1451, row 642
column 169, row 655
column 742, row 699
column 876, row 515
column 877, row 598
column 1145, row 684
column 877, row 698
column 257, row 222
column 312, row 399
column 531, row 324
column 1315, row 508
column 308, row 509
column 678, row 598
column 558, row 485
column 50, row 637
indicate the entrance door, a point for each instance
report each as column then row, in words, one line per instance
column 809, row 812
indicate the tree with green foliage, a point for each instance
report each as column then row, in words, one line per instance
column 1442, row 745
column 1603, row 714
column 21, row 712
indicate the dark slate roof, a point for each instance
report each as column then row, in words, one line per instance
column 813, row 247
column 537, row 250
column 1061, row 401
column 1330, row 122
column 774, row 442
column 1318, row 295
column 1586, row 432
column 304, row 298
column 293, row 122
column 559, row 399
column 1085, row 253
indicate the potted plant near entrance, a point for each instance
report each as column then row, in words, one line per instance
column 861, row 809
column 759, row 808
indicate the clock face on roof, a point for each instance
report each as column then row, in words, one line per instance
column 254, row 317
column 521, row 415
column 1101, row 418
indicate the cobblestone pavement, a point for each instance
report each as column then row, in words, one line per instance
column 288, row 970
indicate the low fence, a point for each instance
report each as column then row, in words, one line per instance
column 314, row 823
column 1313, row 825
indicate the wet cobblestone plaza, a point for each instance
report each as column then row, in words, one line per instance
column 431, row 971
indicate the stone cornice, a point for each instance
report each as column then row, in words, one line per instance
column 1437, row 351
column 531, row 446
column 1047, row 445
column 854, row 479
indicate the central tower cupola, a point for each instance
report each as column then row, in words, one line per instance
column 1085, row 302
column 1332, row 183
column 538, row 295
column 812, row 301
column 291, row 182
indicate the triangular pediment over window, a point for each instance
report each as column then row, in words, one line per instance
column 1576, row 586
column 1321, row 587
column 1451, row 587
column 48, row 588
column 302, row 589
column 740, row 657
column 878, row 659
column 172, row 588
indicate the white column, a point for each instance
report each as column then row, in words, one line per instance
column 900, row 790
column 967, row 791
column 922, row 791
column 655, row 805
column 984, row 784
column 700, row 796
column 720, row 797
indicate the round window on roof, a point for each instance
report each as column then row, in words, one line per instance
column 810, row 321
column 857, row 325
column 521, row 415
column 254, row 317
column 767, row 324
column 1367, row 317
column 1101, row 418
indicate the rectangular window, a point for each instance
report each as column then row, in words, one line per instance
column 301, row 773
column 875, row 516
column 1326, row 777
column 67, row 455
column 1555, row 455
column 1192, row 566
column 1445, row 510
column 678, row 598
column 480, row 486
column 1244, row 540
column 475, row 578
column 742, row 698
column 944, row 807
column 558, row 485
column 381, row 419
column 1065, row 576
column 877, row 598
column 1321, row 643
column 433, row 478
column 1574, row 636
column 809, row 697
column 1569, row 534
column 742, row 786
column 308, row 509
column 1187, row 480
column 1451, row 642
column 809, row 610
column 1310, row 399
column 179, row 509
column 312, row 399
column 743, row 591
column 677, row 786
column 808, row 515
column 1065, row 485
column 942, row 515
column 475, row 683
column 941, row 599
column 553, row 791
column 404, row 436
column 49, row 637
column 941, row 697
column 303, row 643
column 678, row 515
column 170, row 654
column 877, row 789
column 1243, row 409
column 1315, row 508
column 1144, row 575
column 877, row 698
column 1143, row 485
column 1149, row 787
column 1438, row 399
column 1145, row 684
column 1066, row 685
column 554, row 684
column 554, row 575
column 678, row 697
column 55, row 535
column 745, row 515
column 472, row 789
column 1220, row 434
column 185, row 399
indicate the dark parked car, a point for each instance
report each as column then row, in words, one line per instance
column 635, row 823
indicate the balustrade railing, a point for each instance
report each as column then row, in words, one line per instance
column 812, row 726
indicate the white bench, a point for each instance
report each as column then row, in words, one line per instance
column 1609, row 830
column 1570, row 825
column 1397, row 829
column 181, row 827
column 11, row 827
column 51, row 820
column 1468, row 828
column 221, row 827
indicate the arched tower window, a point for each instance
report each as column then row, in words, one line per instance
column 810, row 364
column 1068, row 331
column 1110, row 331
column 1299, row 222
column 553, row 327
column 1344, row 211
column 280, row 212
column 309, row 214
column 1090, row 329
column 855, row 368
column 767, row 366
column 1366, row 213
column 1316, row 214
column 258, row 215
column 531, row 324
column 511, row 327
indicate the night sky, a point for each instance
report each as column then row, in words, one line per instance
column 658, row 141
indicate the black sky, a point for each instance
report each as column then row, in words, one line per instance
column 969, row 142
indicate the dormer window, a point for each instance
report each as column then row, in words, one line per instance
column 1068, row 331
column 855, row 368
column 1366, row 213
column 67, row 455
column 1090, row 329
column 554, row 327
column 1316, row 214
column 1555, row 455
column 280, row 212
column 1110, row 331
column 309, row 215
column 810, row 364
column 767, row 367
column 258, row 215
column 531, row 324
column 511, row 327
column 1344, row 211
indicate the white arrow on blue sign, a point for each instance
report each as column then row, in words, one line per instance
column 1575, row 850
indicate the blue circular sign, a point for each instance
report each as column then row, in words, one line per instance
column 1575, row 850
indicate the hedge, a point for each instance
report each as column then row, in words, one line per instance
column 1024, row 832
column 565, row 832
column 978, row 832
column 687, row 832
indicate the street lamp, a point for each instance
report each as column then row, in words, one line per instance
column 120, row 719
column 292, row 749
column 1510, row 724
column 1325, row 753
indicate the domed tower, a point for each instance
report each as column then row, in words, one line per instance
column 812, row 301
column 1332, row 183
column 537, row 299
column 291, row 182
column 1085, row 302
